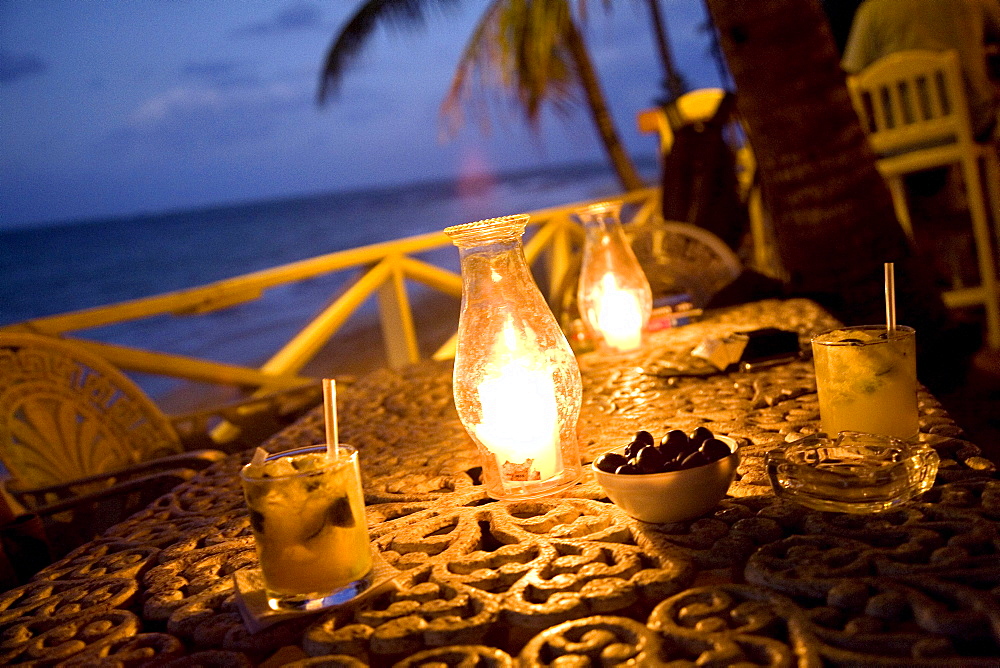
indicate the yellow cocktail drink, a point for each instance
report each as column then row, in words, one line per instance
column 867, row 380
column 307, row 513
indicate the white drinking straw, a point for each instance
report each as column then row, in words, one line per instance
column 890, row 297
column 330, row 414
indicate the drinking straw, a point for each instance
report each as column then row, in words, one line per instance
column 330, row 413
column 890, row 297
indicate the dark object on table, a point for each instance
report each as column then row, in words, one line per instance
column 768, row 344
column 676, row 451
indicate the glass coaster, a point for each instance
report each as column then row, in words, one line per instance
column 261, row 609
column 853, row 473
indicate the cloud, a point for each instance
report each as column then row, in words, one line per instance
column 219, row 73
column 14, row 66
column 293, row 18
column 198, row 118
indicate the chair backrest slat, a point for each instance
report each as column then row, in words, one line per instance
column 912, row 98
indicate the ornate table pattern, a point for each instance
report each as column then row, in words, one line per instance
column 562, row 581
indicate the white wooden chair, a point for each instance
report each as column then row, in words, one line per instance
column 912, row 104
column 700, row 105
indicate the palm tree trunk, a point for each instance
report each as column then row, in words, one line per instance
column 832, row 213
column 673, row 83
column 601, row 115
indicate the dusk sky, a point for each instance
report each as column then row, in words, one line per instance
column 114, row 108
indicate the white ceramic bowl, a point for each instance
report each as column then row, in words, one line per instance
column 675, row 496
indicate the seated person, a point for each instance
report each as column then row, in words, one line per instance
column 882, row 27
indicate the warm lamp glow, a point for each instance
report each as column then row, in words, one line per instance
column 619, row 316
column 526, row 447
column 516, row 382
column 613, row 295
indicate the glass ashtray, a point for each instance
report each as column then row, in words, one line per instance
column 853, row 473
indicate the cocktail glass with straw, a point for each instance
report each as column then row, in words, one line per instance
column 866, row 376
column 307, row 514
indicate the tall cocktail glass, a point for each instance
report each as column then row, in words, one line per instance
column 307, row 513
column 866, row 377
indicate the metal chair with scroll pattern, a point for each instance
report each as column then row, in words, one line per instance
column 82, row 445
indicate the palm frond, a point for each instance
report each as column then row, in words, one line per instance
column 355, row 33
column 518, row 47
column 542, row 66
column 479, row 57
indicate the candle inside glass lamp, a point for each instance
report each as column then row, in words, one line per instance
column 516, row 382
column 520, row 421
column 618, row 314
column 613, row 294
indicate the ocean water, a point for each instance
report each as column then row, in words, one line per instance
column 66, row 267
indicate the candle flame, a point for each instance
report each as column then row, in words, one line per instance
column 619, row 316
column 520, row 418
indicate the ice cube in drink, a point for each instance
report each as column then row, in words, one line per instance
column 308, row 520
column 866, row 378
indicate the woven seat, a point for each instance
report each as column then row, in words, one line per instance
column 680, row 258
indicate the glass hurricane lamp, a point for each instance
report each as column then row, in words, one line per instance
column 516, row 382
column 613, row 294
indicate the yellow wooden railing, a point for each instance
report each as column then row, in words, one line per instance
column 552, row 240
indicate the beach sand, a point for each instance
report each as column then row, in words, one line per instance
column 358, row 348
column 354, row 351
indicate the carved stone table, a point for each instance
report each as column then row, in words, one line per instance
column 562, row 581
